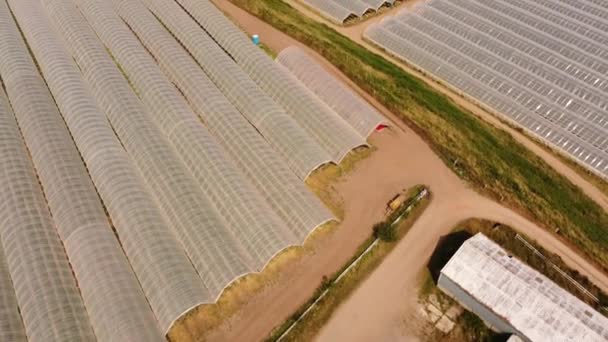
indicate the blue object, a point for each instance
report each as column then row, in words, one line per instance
column 255, row 39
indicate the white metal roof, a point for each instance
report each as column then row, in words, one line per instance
column 531, row 303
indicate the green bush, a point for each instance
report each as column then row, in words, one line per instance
column 475, row 328
column 385, row 231
column 603, row 299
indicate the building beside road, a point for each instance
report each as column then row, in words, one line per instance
column 512, row 297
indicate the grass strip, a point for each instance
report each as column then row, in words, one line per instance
column 270, row 52
column 486, row 157
column 339, row 290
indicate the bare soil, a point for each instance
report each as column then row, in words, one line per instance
column 383, row 307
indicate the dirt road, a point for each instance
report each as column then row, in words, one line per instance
column 380, row 306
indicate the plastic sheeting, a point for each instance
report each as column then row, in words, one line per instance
column 551, row 96
column 376, row 4
column 328, row 128
column 572, row 58
column 110, row 290
column 164, row 271
column 350, row 106
column 509, row 47
column 331, row 10
column 132, row 150
column 358, row 7
column 592, row 9
column 589, row 8
column 554, row 104
column 598, row 3
column 11, row 324
column 256, row 228
column 285, row 193
column 566, row 20
column 302, row 153
column 47, row 293
column 341, row 10
column 213, row 250
column 537, row 21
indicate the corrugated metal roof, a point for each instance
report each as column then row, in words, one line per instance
column 530, row 302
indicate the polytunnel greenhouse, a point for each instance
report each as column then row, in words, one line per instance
column 151, row 157
column 353, row 109
column 341, row 11
column 331, row 132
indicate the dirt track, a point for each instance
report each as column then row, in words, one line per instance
column 380, row 306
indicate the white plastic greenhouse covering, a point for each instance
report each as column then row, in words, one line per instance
column 562, row 20
column 300, row 150
column 257, row 229
column 556, row 93
column 197, row 223
column 111, row 292
column 591, row 50
column 328, row 128
column 532, row 36
column 569, row 67
column 125, row 202
column 287, row 195
column 46, row 291
column 597, row 8
column 167, row 276
column 340, row 11
column 556, row 96
column 376, row 4
column 581, row 86
column 596, row 3
column 11, row 324
column 350, row 106
column 114, row 299
column 330, row 10
column 593, row 19
column 358, row 7
column 164, row 271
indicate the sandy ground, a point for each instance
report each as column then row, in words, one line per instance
column 381, row 306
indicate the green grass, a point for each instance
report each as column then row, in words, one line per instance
column 322, row 179
column 270, row 52
column 468, row 326
column 475, row 329
column 592, row 178
column 487, row 158
column 338, row 292
column 427, row 287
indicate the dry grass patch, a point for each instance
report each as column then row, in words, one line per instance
column 322, row 181
column 192, row 326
